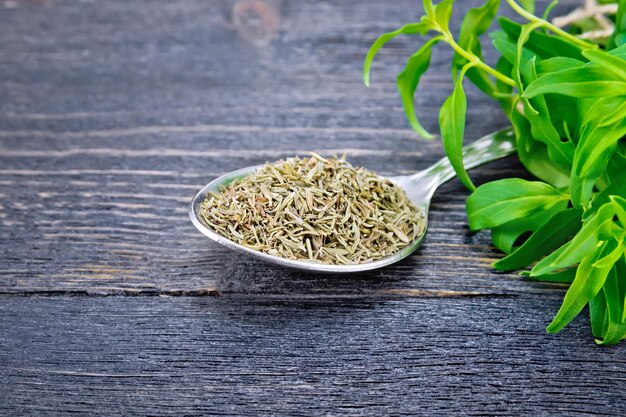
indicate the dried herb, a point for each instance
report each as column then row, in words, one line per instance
column 315, row 209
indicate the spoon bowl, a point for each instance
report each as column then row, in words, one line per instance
column 419, row 187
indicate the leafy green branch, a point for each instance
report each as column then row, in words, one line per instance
column 566, row 100
column 547, row 25
column 467, row 50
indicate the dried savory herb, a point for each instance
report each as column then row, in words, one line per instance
column 315, row 209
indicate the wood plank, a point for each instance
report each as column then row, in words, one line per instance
column 116, row 232
column 111, row 122
column 252, row 356
column 112, row 115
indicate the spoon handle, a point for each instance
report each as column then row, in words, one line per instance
column 494, row 146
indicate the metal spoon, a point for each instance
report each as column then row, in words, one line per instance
column 419, row 187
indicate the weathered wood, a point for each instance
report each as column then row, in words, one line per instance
column 110, row 123
column 255, row 356
column 113, row 114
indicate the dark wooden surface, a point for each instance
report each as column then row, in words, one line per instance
column 113, row 114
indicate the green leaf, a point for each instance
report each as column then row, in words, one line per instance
column 619, row 51
column 508, row 49
column 429, row 8
column 597, row 313
column 519, row 53
column 499, row 202
column 621, row 272
column 607, row 61
column 616, row 187
column 614, row 171
column 534, row 154
column 528, row 5
column 529, row 111
column 475, row 23
column 412, row 28
column 503, row 44
column 582, row 245
column 588, row 282
column 556, row 231
column 505, row 236
column 542, row 127
column 619, row 34
column 566, row 122
column 592, row 155
column 505, row 67
column 615, row 328
column 543, row 45
column 565, row 277
column 443, row 13
column 452, row 124
column 558, row 63
column 603, row 111
column 408, row 80
column 619, row 205
column 587, row 81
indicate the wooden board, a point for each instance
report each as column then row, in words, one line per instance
column 113, row 114
column 110, row 124
column 253, row 356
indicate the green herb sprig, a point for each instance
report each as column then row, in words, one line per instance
column 566, row 100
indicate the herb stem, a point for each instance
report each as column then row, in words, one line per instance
column 473, row 59
column 544, row 23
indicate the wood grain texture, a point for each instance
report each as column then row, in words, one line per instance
column 252, row 356
column 113, row 114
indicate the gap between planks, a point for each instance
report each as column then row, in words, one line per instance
column 222, row 153
column 214, row 292
column 196, row 110
column 203, row 128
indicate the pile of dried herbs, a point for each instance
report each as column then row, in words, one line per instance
column 315, row 209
